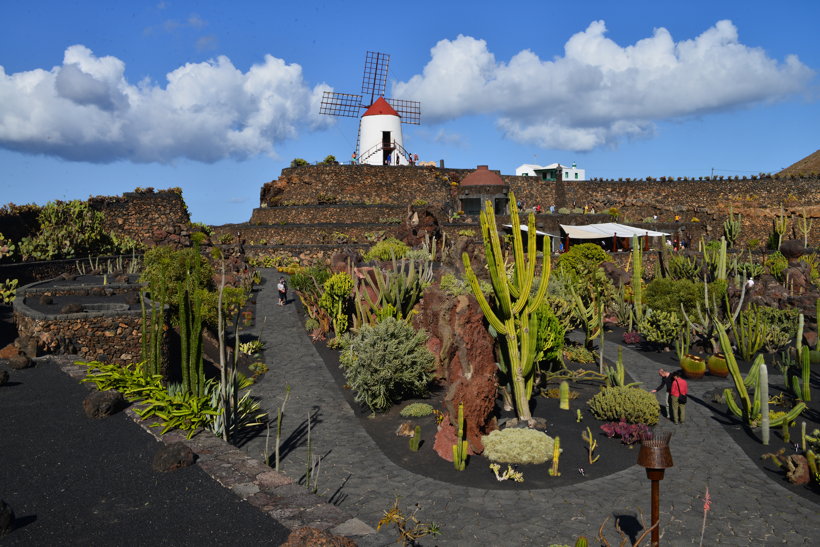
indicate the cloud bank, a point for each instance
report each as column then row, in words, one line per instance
column 599, row 92
column 85, row 110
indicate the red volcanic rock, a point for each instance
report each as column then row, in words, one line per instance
column 465, row 359
column 418, row 225
column 445, row 439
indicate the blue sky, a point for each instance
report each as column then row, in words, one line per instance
column 98, row 98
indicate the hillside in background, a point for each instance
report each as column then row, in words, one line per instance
column 809, row 164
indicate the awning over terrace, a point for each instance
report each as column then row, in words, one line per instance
column 606, row 230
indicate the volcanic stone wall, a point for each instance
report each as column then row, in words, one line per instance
column 315, row 204
column 113, row 338
column 147, row 216
column 341, row 213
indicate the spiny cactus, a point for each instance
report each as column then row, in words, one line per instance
column 563, row 394
column 637, row 279
column 781, row 226
column 512, row 314
column 592, row 444
column 460, row 448
column 731, row 228
column 764, row 396
column 415, row 440
column 556, row 453
column 749, row 408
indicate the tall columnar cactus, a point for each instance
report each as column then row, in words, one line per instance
column 461, row 446
column 731, row 227
column 563, row 394
column 637, row 279
column 189, row 302
column 764, row 410
column 805, row 366
column 781, row 226
column 415, row 440
column 804, row 227
column 798, row 339
column 512, row 314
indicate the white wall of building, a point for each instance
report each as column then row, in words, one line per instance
column 569, row 173
column 370, row 139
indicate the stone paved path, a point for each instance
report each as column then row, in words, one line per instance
column 747, row 509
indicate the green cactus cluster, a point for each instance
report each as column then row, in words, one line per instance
column 731, row 228
column 634, row 405
column 511, row 315
column 397, row 291
column 461, row 448
column 748, row 408
column 415, row 440
column 335, row 300
column 518, row 445
column 416, row 410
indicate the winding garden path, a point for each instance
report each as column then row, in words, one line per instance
column 747, row 507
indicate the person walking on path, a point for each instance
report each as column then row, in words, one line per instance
column 676, row 390
column 282, row 287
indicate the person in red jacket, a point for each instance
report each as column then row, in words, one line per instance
column 676, row 394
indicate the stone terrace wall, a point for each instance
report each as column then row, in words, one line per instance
column 326, row 213
column 707, row 202
column 146, row 216
column 370, row 184
column 295, row 234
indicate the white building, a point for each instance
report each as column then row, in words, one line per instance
column 380, row 138
column 551, row 172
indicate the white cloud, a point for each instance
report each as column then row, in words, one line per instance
column 599, row 92
column 86, row 110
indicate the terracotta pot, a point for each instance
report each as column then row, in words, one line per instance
column 694, row 367
column 717, row 365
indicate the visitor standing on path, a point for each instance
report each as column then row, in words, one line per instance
column 676, row 390
column 282, row 287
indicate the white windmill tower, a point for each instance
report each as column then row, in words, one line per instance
column 380, row 140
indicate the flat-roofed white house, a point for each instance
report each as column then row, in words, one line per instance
column 551, row 172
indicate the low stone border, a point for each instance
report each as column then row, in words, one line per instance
column 270, row 491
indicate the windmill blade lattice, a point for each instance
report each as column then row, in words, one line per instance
column 374, row 79
column 408, row 111
column 340, row 104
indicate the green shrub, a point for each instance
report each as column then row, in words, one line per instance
column 67, row 230
column 583, row 254
column 330, row 160
column 387, row 249
column 514, row 445
column 164, row 268
column 311, row 324
column 634, row 405
column 416, row 410
column 298, row 162
column 386, row 362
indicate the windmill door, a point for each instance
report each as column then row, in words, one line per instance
column 387, row 147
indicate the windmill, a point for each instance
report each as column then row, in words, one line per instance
column 380, row 140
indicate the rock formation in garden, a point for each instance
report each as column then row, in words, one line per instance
column 464, row 358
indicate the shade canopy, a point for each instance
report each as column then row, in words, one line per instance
column 525, row 228
column 607, row 229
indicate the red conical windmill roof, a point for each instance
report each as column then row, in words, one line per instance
column 380, row 107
